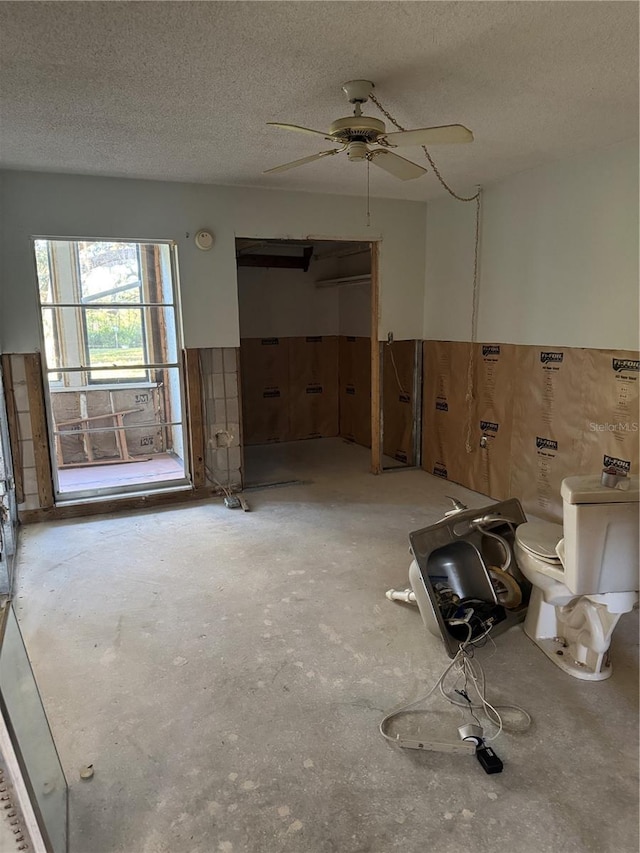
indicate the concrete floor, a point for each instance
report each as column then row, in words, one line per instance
column 281, row 463
column 225, row 672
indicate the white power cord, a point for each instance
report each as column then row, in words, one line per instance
column 477, row 198
column 472, row 670
column 395, row 368
column 405, row 708
column 225, row 490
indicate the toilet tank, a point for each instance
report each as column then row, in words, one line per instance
column 601, row 532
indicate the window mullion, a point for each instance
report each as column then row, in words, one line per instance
column 145, row 313
column 66, row 288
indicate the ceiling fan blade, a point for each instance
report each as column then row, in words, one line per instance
column 300, row 129
column 295, row 163
column 448, row 133
column 396, row 166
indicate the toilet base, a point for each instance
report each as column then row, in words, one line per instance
column 576, row 635
column 559, row 655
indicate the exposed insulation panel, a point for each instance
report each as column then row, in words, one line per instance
column 541, row 413
column 313, row 387
column 265, row 389
column 98, row 402
column 144, row 433
column 306, row 387
column 66, row 407
column 266, row 414
column 491, row 426
column 549, row 425
column 355, row 389
column 264, row 362
column 611, row 414
column 445, row 420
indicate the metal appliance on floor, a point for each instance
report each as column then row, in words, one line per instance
column 464, row 577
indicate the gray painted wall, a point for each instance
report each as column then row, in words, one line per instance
column 40, row 204
column 559, row 257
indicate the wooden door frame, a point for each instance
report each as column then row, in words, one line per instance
column 376, row 399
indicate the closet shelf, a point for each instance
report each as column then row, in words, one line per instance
column 365, row 278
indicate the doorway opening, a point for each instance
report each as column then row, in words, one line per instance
column 306, row 356
column 113, row 378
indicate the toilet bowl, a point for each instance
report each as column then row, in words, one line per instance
column 584, row 574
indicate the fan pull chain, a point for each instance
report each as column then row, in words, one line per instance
column 368, row 194
column 436, row 171
column 469, row 396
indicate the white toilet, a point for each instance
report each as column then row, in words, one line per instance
column 584, row 582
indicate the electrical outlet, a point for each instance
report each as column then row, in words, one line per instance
column 223, row 438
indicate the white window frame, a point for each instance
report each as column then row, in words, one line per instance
column 78, row 376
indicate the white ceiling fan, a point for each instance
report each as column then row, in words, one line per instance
column 365, row 138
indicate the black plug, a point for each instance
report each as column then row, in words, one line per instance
column 489, row 760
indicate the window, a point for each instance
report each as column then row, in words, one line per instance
column 43, row 268
column 111, row 274
column 111, row 347
column 99, row 300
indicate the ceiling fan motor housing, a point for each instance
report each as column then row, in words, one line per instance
column 357, row 129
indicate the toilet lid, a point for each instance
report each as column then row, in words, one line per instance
column 540, row 538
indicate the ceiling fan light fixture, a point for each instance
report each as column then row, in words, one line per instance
column 357, row 151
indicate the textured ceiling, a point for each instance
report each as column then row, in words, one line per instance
column 182, row 90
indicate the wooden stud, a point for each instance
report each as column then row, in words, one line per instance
column 240, row 415
column 37, row 412
column 417, row 405
column 118, row 427
column 195, row 418
column 86, row 438
column 376, row 407
column 14, row 428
